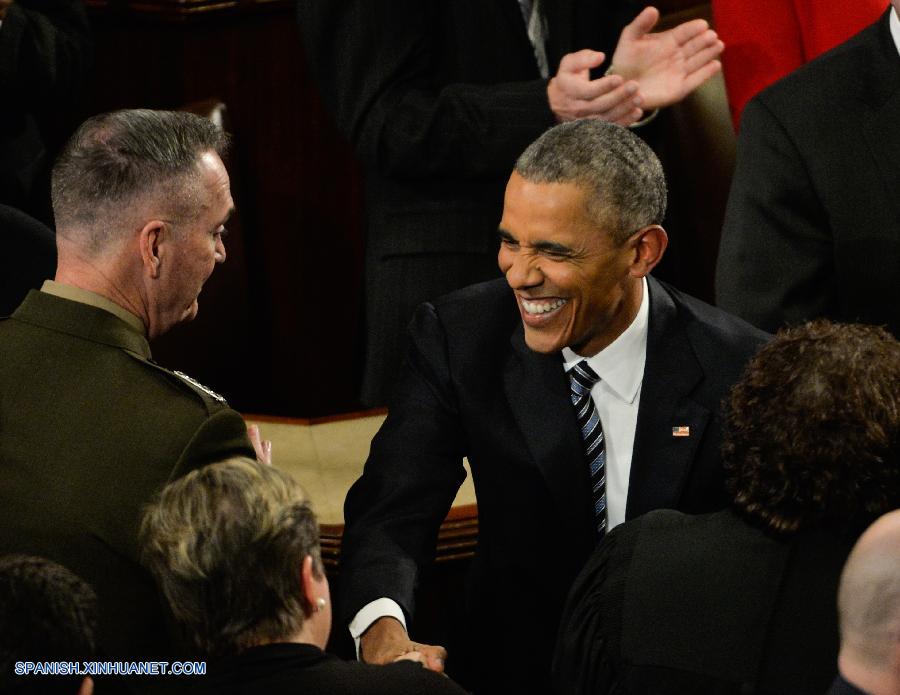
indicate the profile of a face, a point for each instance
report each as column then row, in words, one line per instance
column 196, row 246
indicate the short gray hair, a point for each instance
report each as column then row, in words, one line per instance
column 115, row 159
column 624, row 179
column 225, row 544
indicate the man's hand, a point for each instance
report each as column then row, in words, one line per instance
column 262, row 447
column 667, row 65
column 573, row 94
column 386, row 641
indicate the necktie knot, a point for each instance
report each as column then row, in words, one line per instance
column 582, row 378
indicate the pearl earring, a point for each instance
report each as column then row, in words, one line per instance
column 320, row 604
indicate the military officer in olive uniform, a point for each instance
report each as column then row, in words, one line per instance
column 90, row 427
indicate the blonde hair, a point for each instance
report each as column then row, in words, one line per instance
column 225, row 544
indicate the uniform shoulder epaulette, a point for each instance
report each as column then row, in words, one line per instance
column 200, row 387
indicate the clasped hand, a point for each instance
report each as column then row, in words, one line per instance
column 386, row 641
column 648, row 71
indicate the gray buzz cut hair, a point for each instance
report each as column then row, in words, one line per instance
column 117, row 159
column 623, row 177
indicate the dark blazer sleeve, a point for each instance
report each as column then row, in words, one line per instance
column 393, row 512
column 775, row 263
column 375, row 64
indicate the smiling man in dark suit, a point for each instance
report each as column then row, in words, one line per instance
column 496, row 372
column 438, row 99
column 812, row 228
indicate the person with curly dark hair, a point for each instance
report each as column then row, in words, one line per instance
column 743, row 600
column 811, row 431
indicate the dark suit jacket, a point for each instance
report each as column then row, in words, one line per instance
column 45, row 54
column 28, row 258
column 813, row 221
column 471, row 387
column 292, row 669
column 90, row 430
column 672, row 604
column 439, row 99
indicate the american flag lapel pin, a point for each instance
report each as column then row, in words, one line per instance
column 681, row 431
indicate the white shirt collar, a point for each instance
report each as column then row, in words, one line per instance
column 621, row 363
column 895, row 28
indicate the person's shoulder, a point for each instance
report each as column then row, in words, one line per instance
column 189, row 388
column 694, row 535
column 111, row 366
column 492, row 297
column 671, row 519
column 711, row 328
column 408, row 677
column 826, row 78
column 663, row 523
column 332, row 674
column 477, row 314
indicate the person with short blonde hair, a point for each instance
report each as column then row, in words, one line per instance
column 234, row 547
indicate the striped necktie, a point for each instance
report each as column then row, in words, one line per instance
column 537, row 33
column 582, row 378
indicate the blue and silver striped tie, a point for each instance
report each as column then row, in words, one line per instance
column 582, row 378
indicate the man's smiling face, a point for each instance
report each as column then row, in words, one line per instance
column 573, row 284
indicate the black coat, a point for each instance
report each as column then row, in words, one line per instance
column 28, row 258
column 813, row 221
column 471, row 387
column 45, row 56
column 295, row 669
column 438, row 99
column 842, row 687
column 672, row 604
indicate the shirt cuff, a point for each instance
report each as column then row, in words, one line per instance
column 372, row 611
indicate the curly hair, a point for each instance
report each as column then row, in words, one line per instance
column 811, row 429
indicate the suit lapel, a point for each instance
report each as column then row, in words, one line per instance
column 661, row 462
column 880, row 93
column 538, row 392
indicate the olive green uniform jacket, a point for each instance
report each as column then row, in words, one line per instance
column 90, row 430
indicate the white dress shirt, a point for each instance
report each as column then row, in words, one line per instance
column 894, row 23
column 617, row 394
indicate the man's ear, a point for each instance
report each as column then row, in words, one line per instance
column 308, row 582
column 151, row 237
column 649, row 246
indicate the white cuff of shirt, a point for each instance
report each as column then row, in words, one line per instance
column 372, row 611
